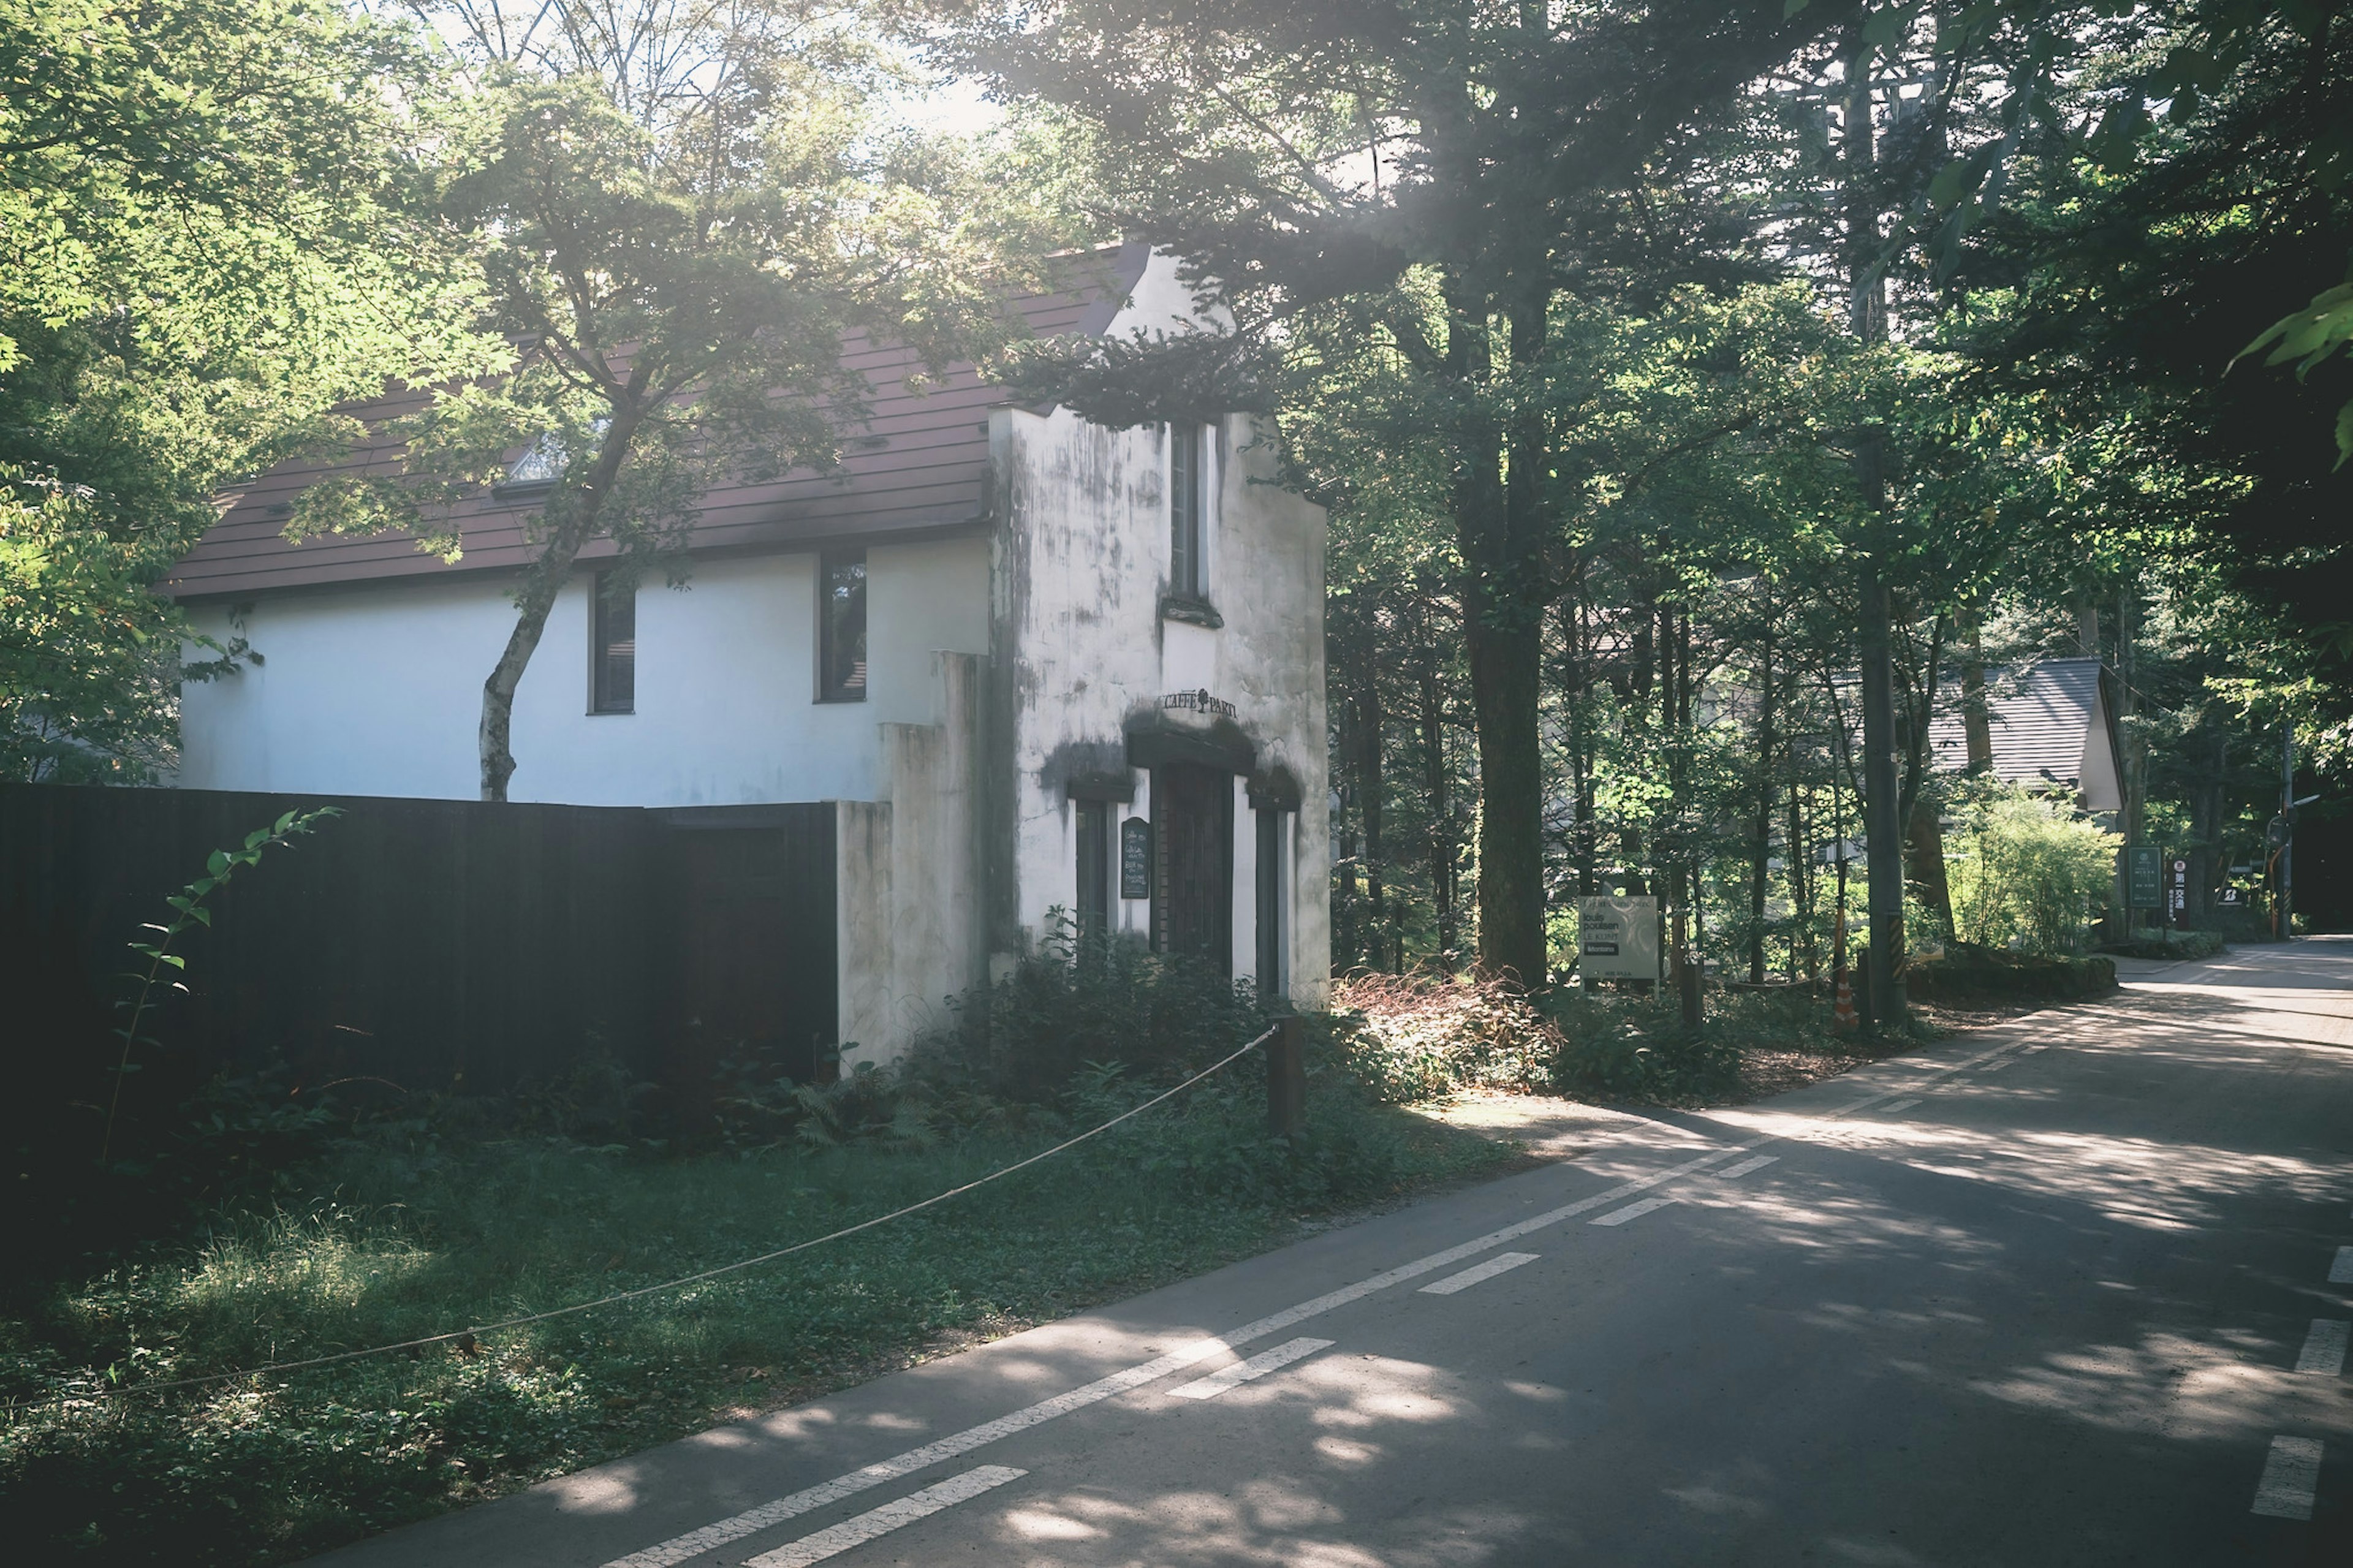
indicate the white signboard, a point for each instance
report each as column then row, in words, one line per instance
column 1618, row 939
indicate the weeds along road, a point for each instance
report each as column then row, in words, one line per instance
column 2073, row 1289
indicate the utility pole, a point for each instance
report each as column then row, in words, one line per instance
column 1867, row 319
column 1882, row 822
column 2287, row 850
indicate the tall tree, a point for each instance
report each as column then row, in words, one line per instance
column 1450, row 175
column 210, row 236
column 684, row 211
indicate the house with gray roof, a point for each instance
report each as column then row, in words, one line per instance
column 2052, row 724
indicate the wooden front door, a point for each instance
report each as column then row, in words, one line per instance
column 1193, row 818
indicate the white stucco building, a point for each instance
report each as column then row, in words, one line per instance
column 1003, row 644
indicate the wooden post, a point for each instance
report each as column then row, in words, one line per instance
column 1286, row 1077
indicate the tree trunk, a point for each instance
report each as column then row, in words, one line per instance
column 1924, row 850
column 543, row 580
column 1504, row 668
column 1977, row 720
column 1499, row 510
column 1439, row 787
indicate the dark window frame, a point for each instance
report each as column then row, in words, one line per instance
column 1188, row 514
column 1097, row 865
column 841, row 670
column 612, row 644
column 1272, row 937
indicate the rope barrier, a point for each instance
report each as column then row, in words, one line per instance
column 269, row 1368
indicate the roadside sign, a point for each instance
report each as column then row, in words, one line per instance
column 2231, row 899
column 1618, row 939
column 1135, row 859
column 2142, row 868
column 2177, row 891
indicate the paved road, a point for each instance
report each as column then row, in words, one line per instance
column 2058, row 1293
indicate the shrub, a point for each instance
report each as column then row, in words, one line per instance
column 2027, row 872
column 1078, row 1002
column 1639, row 1050
column 1414, row 1037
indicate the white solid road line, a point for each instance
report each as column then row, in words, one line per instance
column 1258, row 1366
column 710, row 1537
column 2291, row 1476
column 1502, row 1263
column 2341, row 1271
column 1897, row 1107
column 2324, row 1347
column 1754, row 1163
column 1633, row 1211
column 849, row 1532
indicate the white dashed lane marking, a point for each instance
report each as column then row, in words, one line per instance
column 1502, row 1263
column 2324, row 1347
column 694, row 1544
column 2341, row 1271
column 890, row 1516
column 1632, row 1211
column 1258, row 1366
column 1754, row 1163
column 2291, row 1476
column 1897, row 1107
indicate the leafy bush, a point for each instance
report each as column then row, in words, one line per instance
column 1639, row 1050
column 2171, row 945
column 1415, row 1037
column 1078, row 1002
column 2027, row 872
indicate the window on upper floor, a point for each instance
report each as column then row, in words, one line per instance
column 613, row 646
column 1095, row 866
column 841, row 626
column 1187, row 577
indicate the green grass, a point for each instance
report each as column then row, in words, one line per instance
column 398, row 1235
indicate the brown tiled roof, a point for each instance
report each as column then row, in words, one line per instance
column 920, row 469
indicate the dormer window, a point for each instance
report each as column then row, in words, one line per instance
column 543, row 462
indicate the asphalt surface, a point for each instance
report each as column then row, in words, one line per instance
column 2053, row 1292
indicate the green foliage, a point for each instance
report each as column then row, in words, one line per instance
column 188, row 909
column 1639, row 1050
column 416, row 1222
column 2026, row 871
column 211, row 238
column 1080, row 1002
column 1414, row 1037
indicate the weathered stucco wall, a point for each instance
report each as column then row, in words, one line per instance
column 1080, row 647
column 908, row 876
column 378, row 690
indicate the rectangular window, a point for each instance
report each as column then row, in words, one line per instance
column 1186, row 579
column 613, row 649
column 1095, row 866
column 841, row 628
column 1271, row 944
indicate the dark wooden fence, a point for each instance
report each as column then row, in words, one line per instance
column 435, row 944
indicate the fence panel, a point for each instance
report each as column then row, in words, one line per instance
column 438, row 944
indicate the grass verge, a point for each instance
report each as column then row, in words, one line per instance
column 403, row 1233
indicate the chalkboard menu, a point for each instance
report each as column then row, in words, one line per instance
column 1135, row 859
